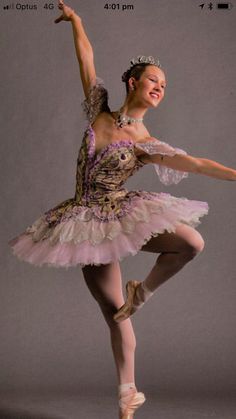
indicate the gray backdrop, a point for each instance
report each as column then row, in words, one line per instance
column 52, row 332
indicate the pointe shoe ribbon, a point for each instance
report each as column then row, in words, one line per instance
column 132, row 404
column 129, row 307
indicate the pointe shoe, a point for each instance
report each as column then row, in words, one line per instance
column 129, row 307
column 129, row 404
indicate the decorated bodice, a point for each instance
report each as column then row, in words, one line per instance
column 100, row 177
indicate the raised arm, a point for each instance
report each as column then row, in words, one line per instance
column 185, row 162
column 83, row 47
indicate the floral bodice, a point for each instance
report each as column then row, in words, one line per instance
column 100, row 178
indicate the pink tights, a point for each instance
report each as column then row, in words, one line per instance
column 105, row 284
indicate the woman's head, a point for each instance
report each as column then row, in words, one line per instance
column 136, row 71
column 145, row 80
column 146, row 83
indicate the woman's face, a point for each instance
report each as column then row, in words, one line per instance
column 150, row 88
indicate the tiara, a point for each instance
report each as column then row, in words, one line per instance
column 141, row 59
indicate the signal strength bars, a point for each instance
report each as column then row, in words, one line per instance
column 8, row 6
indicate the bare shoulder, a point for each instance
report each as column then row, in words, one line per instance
column 103, row 117
column 103, row 121
column 106, row 132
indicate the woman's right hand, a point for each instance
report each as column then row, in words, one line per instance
column 67, row 12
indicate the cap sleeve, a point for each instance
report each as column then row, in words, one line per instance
column 166, row 175
column 96, row 102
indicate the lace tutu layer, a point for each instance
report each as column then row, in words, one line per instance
column 85, row 240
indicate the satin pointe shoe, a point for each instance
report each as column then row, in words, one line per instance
column 130, row 403
column 129, row 307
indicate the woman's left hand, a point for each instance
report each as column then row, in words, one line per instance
column 67, row 12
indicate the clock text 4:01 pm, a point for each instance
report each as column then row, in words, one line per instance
column 118, row 6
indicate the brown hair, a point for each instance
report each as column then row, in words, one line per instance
column 136, row 71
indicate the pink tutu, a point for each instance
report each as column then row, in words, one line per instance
column 76, row 241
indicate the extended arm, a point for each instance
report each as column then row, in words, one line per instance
column 83, row 47
column 84, row 54
column 187, row 163
column 162, row 154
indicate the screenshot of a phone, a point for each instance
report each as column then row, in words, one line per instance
column 54, row 336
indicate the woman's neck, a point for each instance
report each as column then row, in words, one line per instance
column 132, row 109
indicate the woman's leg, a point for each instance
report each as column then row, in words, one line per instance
column 105, row 284
column 176, row 249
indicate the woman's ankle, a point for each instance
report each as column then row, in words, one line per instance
column 142, row 294
column 126, row 389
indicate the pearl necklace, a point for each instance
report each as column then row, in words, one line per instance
column 123, row 120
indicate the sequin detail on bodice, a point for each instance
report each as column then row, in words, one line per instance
column 100, row 177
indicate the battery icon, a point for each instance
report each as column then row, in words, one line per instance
column 224, row 6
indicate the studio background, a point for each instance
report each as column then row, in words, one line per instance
column 53, row 336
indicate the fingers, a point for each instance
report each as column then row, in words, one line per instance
column 59, row 19
column 60, row 6
column 67, row 12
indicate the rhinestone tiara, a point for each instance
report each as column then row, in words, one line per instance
column 141, row 59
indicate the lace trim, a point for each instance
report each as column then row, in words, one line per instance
column 96, row 102
column 166, row 175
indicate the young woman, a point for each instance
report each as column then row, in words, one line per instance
column 104, row 222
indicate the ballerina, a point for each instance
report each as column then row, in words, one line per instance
column 104, row 222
